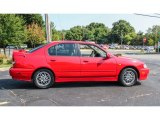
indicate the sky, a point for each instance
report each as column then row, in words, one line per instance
column 66, row 21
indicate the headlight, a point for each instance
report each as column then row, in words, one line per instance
column 145, row 66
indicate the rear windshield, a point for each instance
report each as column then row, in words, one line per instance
column 36, row 48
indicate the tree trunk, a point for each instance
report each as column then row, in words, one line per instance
column 32, row 44
column 4, row 50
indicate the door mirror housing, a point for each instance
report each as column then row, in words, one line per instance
column 107, row 56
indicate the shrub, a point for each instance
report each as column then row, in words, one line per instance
column 1, row 61
column 9, row 61
column 2, row 56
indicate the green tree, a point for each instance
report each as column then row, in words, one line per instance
column 87, row 34
column 75, row 33
column 57, row 35
column 32, row 18
column 129, row 37
column 150, row 42
column 12, row 30
column 122, row 28
column 93, row 32
column 99, row 31
column 68, row 35
column 153, row 33
column 138, row 40
column 35, row 34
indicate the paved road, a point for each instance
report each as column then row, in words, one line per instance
column 146, row 93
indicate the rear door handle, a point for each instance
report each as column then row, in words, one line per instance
column 52, row 60
column 85, row 61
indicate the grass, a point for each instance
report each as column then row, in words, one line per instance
column 5, row 65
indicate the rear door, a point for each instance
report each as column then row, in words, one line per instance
column 94, row 62
column 64, row 60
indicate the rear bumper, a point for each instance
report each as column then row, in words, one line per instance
column 21, row 74
column 143, row 73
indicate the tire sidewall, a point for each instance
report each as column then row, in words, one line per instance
column 121, row 77
column 43, row 87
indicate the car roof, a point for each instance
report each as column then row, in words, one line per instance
column 76, row 42
column 72, row 41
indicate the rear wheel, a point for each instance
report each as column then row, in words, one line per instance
column 43, row 78
column 128, row 77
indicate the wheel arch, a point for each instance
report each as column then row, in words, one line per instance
column 133, row 67
column 40, row 69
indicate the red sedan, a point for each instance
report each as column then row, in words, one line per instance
column 74, row 61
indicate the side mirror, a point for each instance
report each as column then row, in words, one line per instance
column 107, row 56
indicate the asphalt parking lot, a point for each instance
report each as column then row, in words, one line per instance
column 144, row 93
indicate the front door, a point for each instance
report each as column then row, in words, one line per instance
column 94, row 62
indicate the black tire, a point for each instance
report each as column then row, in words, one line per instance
column 43, row 78
column 129, row 80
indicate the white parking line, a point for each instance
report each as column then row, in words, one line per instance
column 23, row 101
column 3, row 103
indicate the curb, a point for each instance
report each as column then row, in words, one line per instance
column 142, row 53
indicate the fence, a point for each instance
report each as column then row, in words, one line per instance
column 9, row 52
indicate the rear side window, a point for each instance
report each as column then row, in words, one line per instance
column 36, row 48
column 64, row 49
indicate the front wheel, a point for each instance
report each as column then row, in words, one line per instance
column 43, row 78
column 128, row 77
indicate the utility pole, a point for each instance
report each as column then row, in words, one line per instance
column 48, row 28
column 62, row 36
column 157, row 41
column 50, row 32
column 121, row 37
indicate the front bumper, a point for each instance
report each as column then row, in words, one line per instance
column 143, row 73
column 21, row 74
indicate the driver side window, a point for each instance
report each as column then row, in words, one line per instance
column 91, row 51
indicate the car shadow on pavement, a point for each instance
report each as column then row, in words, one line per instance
column 12, row 84
column 89, row 84
column 86, row 84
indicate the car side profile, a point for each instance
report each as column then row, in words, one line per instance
column 74, row 61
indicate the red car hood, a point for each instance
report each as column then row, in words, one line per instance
column 125, row 59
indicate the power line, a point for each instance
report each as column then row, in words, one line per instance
column 154, row 17
column 148, row 15
column 157, row 13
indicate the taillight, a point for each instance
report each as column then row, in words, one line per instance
column 13, row 61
